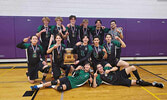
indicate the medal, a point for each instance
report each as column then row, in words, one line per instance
column 58, row 51
column 47, row 35
column 73, row 31
column 34, row 55
column 109, row 48
column 97, row 32
column 97, row 49
column 85, row 31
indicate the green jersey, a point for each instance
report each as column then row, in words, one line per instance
column 79, row 79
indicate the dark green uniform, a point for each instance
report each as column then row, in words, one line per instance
column 84, row 53
column 55, row 31
column 45, row 37
column 99, row 33
column 111, row 52
column 58, row 61
column 86, row 31
column 79, row 79
column 73, row 37
column 33, row 56
column 97, row 57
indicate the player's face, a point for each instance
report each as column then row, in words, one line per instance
column 96, row 41
column 100, row 68
column 87, row 67
column 58, row 22
column 98, row 24
column 108, row 38
column 113, row 25
column 85, row 24
column 58, row 39
column 72, row 21
column 45, row 22
column 85, row 39
column 34, row 40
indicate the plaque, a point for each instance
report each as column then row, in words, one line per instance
column 69, row 57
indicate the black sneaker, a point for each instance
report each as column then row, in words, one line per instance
column 160, row 85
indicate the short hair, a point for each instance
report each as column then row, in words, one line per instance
column 58, row 35
column 85, row 20
column 86, row 36
column 33, row 36
column 72, row 16
column 59, row 18
column 46, row 18
column 108, row 34
column 112, row 21
column 99, row 21
column 96, row 37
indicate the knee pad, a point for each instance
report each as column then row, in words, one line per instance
column 60, row 88
column 54, row 82
column 46, row 70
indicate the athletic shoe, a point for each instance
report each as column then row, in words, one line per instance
column 34, row 87
column 156, row 84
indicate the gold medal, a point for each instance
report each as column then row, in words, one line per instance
column 58, row 56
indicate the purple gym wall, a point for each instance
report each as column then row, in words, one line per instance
column 143, row 37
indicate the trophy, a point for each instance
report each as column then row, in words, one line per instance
column 68, row 56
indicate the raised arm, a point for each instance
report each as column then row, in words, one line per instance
column 123, row 45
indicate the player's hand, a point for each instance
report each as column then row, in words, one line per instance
column 67, row 33
column 95, row 74
column 44, row 63
column 26, row 39
column 90, row 79
column 107, row 71
column 103, row 27
column 44, row 30
column 104, row 50
column 68, row 25
column 78, row 43
column 117, row 30
column 60, row 31
column 76, row 62
column 64, row 29
column 117, row 38
column 56, row 46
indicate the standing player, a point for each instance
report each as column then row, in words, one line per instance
column 83, row 50
column 99, row 31
column 85, row 30
column 58, row 29
column 34, row 51
column 115, row 31
column 99, row 53
column 79, row 78
column 74, row 31
column 58, row 51
column 44, row 33
column 109, row 76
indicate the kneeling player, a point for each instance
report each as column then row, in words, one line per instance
column 79, row 78
column 33, row 51
column 109, row 76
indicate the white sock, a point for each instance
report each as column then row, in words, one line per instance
column 40, row 85
column 53, row 86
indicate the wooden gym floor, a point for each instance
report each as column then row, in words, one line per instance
column 13, row 84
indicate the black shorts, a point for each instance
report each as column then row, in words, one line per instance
column 33, row 70
column 114, row 62
column 65, row 81
column 121, row 78
column 45, row 48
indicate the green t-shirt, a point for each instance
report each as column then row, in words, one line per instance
column 80, row 79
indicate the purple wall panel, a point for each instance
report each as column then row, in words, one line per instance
column 137, row 39
column 158, row 46
column 7, row 38
column 143, row 37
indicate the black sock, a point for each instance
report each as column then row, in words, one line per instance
column 43, row 77
column 143, row 83
column 136, row 74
